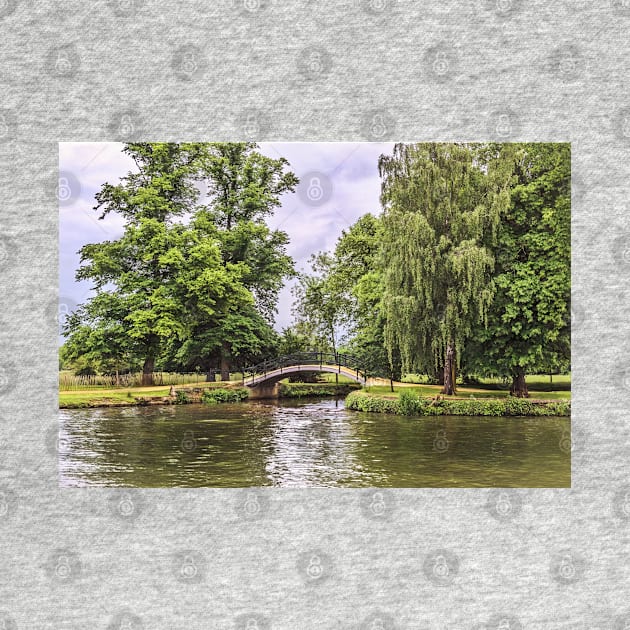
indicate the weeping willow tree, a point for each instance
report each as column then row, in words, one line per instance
column 441, row 210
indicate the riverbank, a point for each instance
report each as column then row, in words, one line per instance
column 408, row 403
column 195, row 393
column 406, row 400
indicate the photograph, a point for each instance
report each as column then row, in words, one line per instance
column 307, row 314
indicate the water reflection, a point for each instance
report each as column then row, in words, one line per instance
column 303, row 444
column 314, row 445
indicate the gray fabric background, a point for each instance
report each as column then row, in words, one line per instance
column 373, row 70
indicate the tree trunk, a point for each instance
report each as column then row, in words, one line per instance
column 391, row 383
column 147, row 371
column 449, row 370
column 225, row 364
column 439, row 375
column 519, row 386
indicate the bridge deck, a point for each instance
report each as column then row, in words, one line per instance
column 280, row 373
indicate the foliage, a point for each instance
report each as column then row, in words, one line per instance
column 181, row 398
column 408, row 402
column 306, row 390
column 321, row 305
column 221, row 395
column 442, row 203
column 469, row 264
column 529, row 323
column 293, row 340
column 343, row 298
column 244, row 188
column 188, row 285
column 362, row 401
column 411, row 404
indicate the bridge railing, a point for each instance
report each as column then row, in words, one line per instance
column 304, row 358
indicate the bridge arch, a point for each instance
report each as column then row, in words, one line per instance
column 275, row 370
column 277, row 375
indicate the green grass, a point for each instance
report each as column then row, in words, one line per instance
column 464, row 392
column 538, row 386
column 86, row 399
column 100, row 396
column 328, row 377
column 535, row 382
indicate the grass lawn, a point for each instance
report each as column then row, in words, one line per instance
column 488, row 389
column 117, row 394
column 465, row 392
column 538, row 382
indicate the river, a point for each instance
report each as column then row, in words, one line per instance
column 293, row 443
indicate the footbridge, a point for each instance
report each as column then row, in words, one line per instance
column 268, row 373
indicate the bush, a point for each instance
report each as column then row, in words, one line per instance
column 222, row 395
column 314, row 390
column 181, row 398
column 305, row 377
column 409, row 403
column 362, row 401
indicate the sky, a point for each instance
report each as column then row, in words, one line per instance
column 339, row 182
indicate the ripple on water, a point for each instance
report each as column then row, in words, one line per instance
column 305, row 444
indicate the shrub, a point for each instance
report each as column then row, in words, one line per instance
column 181, row 398
column 305, row 390
column 222, row 395
column 362, row 401
column 305, row 377
column 409, row 403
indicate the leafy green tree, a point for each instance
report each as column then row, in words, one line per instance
column 163, row 186
column 292, row 340
column 529, row 323
column 241, row 337
column 99, row 342
column 357, row 253
column 344, row 297
column 244, row 188
column 159, row 278
column 368, row 340
column 188, row 281
column 132, row 270
column 358, row 273
column 442, row 204
column 326, row 302
column 217, row 308
column 321, row 306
